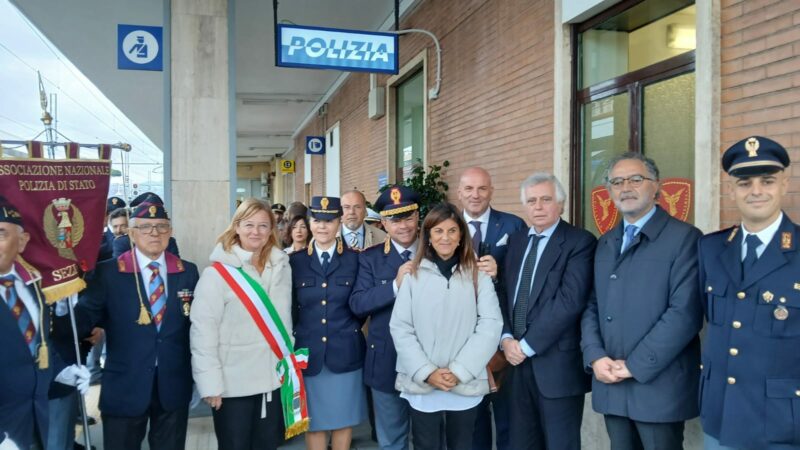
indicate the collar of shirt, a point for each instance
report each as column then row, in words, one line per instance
column 641, row 222
column 765, row 236
column 400, row 249
column 346, row 232
column 547, row 232
column 483, row 219
column 319, row 252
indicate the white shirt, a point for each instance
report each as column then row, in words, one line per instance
column 483, row 219
column 142, row 261
column 765, row 236
column 319, row 252
column 400, row 249
column 23, row 294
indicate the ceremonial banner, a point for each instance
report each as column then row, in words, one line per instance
column 62, row 203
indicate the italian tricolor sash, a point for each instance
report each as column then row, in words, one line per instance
column 257, row 302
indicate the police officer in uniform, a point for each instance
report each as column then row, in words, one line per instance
column 143, row 298
column 322, row 280
column 380, row 274
column 750, row 275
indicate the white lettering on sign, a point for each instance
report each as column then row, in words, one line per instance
column 350, row 50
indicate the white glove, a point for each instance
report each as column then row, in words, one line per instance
column 8, row 444
column 196, row 399
column 77, row 376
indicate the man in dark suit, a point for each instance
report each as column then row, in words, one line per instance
column 490, row 230
column 749, row 274
column 143, row 298
column 640, row 329
column 28, row 359
column 380, row 274
column 548, row 275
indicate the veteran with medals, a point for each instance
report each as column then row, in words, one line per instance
column 750, row 277
column 322, row 279
column 147, row 375
column 241, row 335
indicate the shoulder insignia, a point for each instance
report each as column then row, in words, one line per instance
column 797, row 286
column 387, row 245
column 733, row 234
column 339, row 245
column 179, row 263
column 786, row 240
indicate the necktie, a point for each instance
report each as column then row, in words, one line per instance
column 158, row 298
column 406, row 255
column 521, row 304
column 325, row 261
column 20, row 313
column 630, row 233
column 477, row 238
column 353, row 243
column 751, row 257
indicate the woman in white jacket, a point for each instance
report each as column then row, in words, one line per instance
column 232, row 364
column 444, row 333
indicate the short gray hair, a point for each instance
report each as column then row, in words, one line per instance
column 539, row 178
column 649, row 164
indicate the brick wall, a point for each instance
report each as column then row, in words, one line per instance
column 760, row 80
column 495, row 107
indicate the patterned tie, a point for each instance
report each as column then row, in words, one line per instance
column 521, row 305
column 477, row 238
column 325, row 261
column 750, row 259
column 20, row 313
column 630, row 233
column 353, row 240
column 406, row 255
column 158, row 298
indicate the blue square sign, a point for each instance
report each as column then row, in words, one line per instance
column 140, row 47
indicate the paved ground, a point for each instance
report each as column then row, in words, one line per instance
column 201, row 431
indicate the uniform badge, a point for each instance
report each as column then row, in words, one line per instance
column 752, row 145
column 733, row 234
column 185, row 295
column 324, row 203
column 786, row 240
column 781, row 312
column 797, row 286
column 152, row 210
column 767, row 296
column 395, row 195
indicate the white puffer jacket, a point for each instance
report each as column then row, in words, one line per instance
column 230, row 356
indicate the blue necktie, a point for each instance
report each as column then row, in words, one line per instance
column 630, row 233
column 158, row 297
column 751, row 257
column 353, row 242
column 406, row 255
column 325, row 261
column 520, row 322
column 20, row 313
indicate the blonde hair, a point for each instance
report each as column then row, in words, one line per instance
column 246, row 210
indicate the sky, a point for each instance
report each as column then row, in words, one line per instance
column 84, row 114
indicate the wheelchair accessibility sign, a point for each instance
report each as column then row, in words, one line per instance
column 315, row 145
column 139, row 47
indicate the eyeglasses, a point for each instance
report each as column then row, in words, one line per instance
column 634, row 180
column 160, row 228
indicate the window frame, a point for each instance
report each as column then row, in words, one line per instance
column 411, row 68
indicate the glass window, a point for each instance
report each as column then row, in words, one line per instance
column 650, row 32
column 410, row 124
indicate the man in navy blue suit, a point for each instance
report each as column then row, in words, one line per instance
column 490, row 230
column 380, row 274
column 143, row 299
column 25, row 335
column 750, row 278
column 548, row 276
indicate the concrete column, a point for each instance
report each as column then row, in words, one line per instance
column 200, row 160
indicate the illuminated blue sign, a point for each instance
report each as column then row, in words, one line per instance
column 329, row 48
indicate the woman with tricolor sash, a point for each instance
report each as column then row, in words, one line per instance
column 243, row 358
column 322, row 278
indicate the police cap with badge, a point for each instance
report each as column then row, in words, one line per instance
column 327, row 209
column 397, row 202
column 113, row 204
column 278, row 208
column 150, row 208
column 754, row 156
column 9, row 213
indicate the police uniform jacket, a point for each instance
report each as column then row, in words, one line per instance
column 23, row 396
column 646, row 310
column 136, row 352
column 374, row 297
column 750, row 382
column 323, row 321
